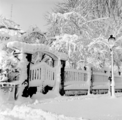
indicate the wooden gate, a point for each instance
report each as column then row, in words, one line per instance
column 41, row 75
column 40, row 66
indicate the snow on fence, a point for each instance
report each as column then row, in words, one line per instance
column 118, row 82
column 100, row 79
column 41, row 73
column 75, row 75
column 76, row 79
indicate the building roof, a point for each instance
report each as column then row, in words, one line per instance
column 9, row 24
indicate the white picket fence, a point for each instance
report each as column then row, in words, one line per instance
column 100, row 79
column 118, row 82
column 76, row 79
column 41, row 74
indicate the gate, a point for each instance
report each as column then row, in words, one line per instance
column 42, row 72
column 41, row 75
column 40, row 68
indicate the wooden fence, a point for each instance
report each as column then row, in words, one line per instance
column 100, row 79
column 86, row 80
column 93, row 80
column 76, row 79
column 118, row 82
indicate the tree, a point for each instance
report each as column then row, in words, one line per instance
column 88, row 19
column 8, row 67
column 86, row 16
column 34, row 35
column 9, row 31
column 66, row 44
column 99, row 52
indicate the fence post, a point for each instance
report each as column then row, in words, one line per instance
column 23, row 72
column 109, row 78
column 62, row 91
column 89, row 78
column 57, row 77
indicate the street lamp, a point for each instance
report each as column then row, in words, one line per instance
column 111, row 41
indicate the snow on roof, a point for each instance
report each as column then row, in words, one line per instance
column 32, row 48
column 6, row 23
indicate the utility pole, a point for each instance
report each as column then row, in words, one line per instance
column 11, row 11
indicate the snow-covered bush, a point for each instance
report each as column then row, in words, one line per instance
column 8, row 67
column 9, row 31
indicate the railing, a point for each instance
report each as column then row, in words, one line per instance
column 76, row 79
column 75, row 75
column 100, row 79
column 118, row 81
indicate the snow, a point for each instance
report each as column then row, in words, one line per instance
column 27, row 113
column 93, row 107
column 22, row 110
column 52, row 107
column 32, row 48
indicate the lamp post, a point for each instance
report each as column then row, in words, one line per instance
column 111, row 41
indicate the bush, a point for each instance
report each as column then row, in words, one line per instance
column 8, row 67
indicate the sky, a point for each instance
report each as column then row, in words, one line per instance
column 28, row 12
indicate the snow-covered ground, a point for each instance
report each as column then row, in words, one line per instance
column 51, row 107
